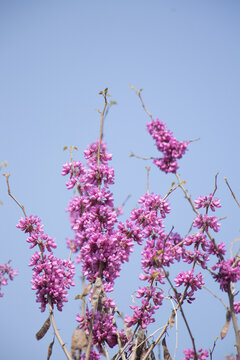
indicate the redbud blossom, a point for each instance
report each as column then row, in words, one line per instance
column 166, row 143
column 6, row 273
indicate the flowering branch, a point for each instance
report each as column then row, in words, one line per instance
column 28, row 226
column 225, row 265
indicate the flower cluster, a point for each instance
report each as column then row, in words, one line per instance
column 104, row 328
column 187, row 279
column 201, row 355
column 6, row 273
column 206, row 222
column 51, row 276
column 228, row 271
column 207, row 201
column 33, row 226
column 99, row 242
column 172, row 149
column 143, row 314
column 160, row 250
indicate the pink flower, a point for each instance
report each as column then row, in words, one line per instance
column 187, row 279
column 205, row 221
column 51, row 278
column 237, row 307
column 229, row 271
column 6, row 273
column 189, row 354
column 207, row 201
column 168, row 145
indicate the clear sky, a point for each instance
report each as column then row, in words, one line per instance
column 55, row 58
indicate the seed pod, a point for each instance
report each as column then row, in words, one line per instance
column 166, row 354
column 226, row 326
column 40, row 334
column 50, row 350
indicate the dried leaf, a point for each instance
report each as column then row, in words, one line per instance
column 226, row 326
column 65, row 148
column 50, row 350
column 40, row 334
column 166, row 354
column 172, row 319
column 79, row 343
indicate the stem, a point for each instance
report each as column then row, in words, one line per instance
column 148, row 170
column 215, row 295
column 234, row 320
column 231, row 191
column 101, row 127
column 10, row 194
column 182, row 312
column 56, row 332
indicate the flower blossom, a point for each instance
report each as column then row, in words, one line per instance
column 201, row 355
column 99, row 240
column 6, row 273
column 187, row 279
column 228, row 271
column 51, row 276
column 104, row 329
column 206, row 222
column 166, row 143
column 207, row 201
column 160, row 250
column 237, row 307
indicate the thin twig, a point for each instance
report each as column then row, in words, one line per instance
column 140, row 157
column 193, row 140
column 211, row 350
column 148, row 170
column 231, row 191
column 56, row 332
column 101, row 124
column 10, row 194
column 182, row 312
column 126, row 345
column 171, row 190
column 149, row 336
column 215, row 295
column 138, row 92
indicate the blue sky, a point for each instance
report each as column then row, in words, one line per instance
column 55, row 58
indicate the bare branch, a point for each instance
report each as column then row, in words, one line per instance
column 231, row 191
column 10, row 194
column 215, row 295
